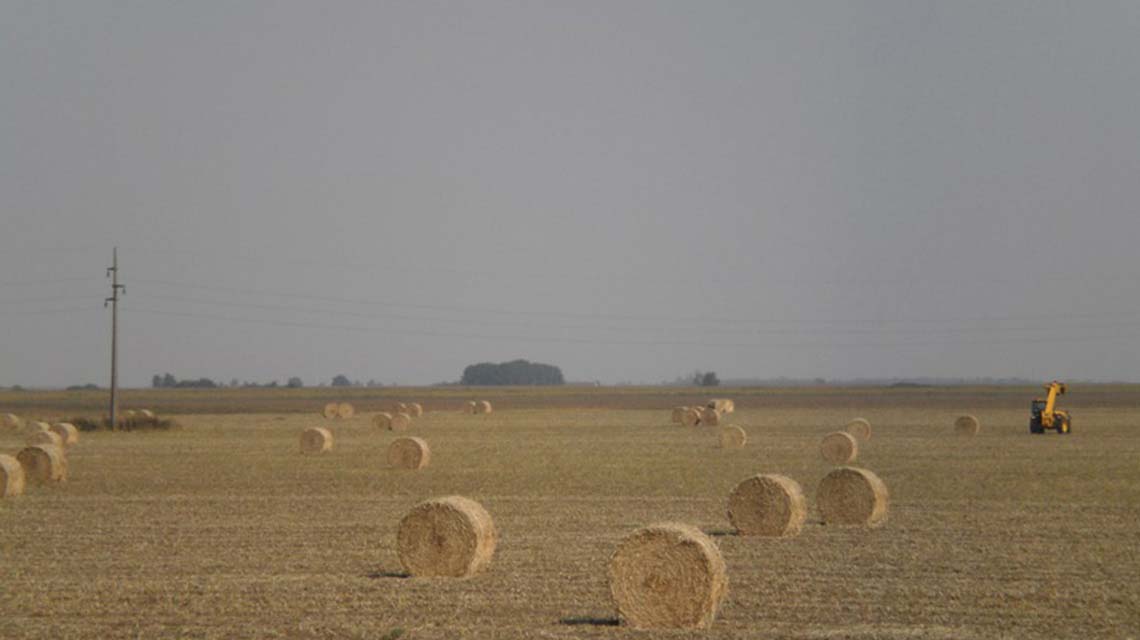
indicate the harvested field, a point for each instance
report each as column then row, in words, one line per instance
column 219, row 529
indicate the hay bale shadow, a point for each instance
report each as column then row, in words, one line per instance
column 720, row 532
column 595, row 621
column 380, row 575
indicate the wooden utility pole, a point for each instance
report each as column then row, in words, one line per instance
column 113, row 273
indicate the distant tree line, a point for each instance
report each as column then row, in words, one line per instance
column 168, row 381
column 515, row 372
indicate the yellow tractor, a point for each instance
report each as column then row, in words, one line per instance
column 1043, row 414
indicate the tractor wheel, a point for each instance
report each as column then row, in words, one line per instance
column 1036, row 427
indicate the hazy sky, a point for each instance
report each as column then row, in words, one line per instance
column 629, row 190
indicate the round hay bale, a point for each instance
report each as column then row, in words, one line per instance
column 400, row 422
column 11, row 477
column 331, row 410
column 130, row 413
column 710, row 417
column 732, row 437
column 415, row 409
column 43, row 464
column 729, row 406
column 345, row 410
column 839, row 447
column 849, row 495
column 382, row 420
column 11, row 421
column 409, row 453
column 484, row 406
column 451, row 537
column 50, row 438
column 692, row 417
column 66, row 432
column 967, row 426
column 668, row 575
column 860, row 428
column 678, row 414
column 146, row 413
column 316, row 440
column 399, row 407
column 472, row 408
column 36, row 426
column 767, row 505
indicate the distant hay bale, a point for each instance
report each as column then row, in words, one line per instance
column 967, row 426
column 409, row 453
column 849, row 495
column 331, row 410
column 860, row 428
column 721, row 405
column 399, row 407
column 668, row 576
column 450, row 537
column 732, row 437
column 692, row 417
column 678, row 414
column 839, row 447
column 66, row 432
column 345, row 410
column 36, row 425
column 382, row 420
column 415, row 409
column 710, row 417
column 11, row 476
column 43, row 464
column 50, row 438
column 129, row 413
column 400, row 422
column 484, row 406
column 767, row 505
column 11, row 421
column 146, row 413
column 472, row 407
column 316, row 440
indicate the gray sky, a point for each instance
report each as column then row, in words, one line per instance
column 629, row 190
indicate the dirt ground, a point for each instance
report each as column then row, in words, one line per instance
column 222, row 529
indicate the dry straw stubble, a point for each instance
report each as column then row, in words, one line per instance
column 668, row 576
column 732, row 437
column 11, row 476
column 316, row 440
column 409, row 453
column 967, row 426
column 860, row 428
column 853, row 496
column 43, row 464
column 767, row 505
column 839, row 447
column 448, row 537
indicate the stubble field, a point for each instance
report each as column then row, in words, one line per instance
column 222, row 529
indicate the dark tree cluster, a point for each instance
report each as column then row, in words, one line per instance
column 168, row 381
column 516, row 372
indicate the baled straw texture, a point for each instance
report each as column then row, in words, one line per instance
column 732, row 437
column 415, row 409
column 710, row 417
column 11, row 421
column 451, row 537
column 146, row 413
column 331, row 410
column 382, row 420
column 35, row 426
column 967, row 426
column 11, row 477
column 399, row 407
column 345, row 410
column 722, row 405
column 472, row 408
column 484, row 406
column 316, row 440
column 839, row 447
column 849, row 495
column 668, row 576
column 692, row 417
column 43, row 464
column 66, row 432
column 400, row 422
column 129, row 413
column 678, row 414
column 409, row 453
column 767, row 505
column 50, row 438
column 860, row 428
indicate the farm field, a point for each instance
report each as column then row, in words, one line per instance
column 222, row 529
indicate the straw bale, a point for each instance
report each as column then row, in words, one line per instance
column 331, row 410
column 415, row 409
column 767, row 505
column 44, row 437
column 11, row 477
column 409, row 453
column 451, row 537
column 668, row 575
column 839, row 447
column 66, row 432
column 860, row 428
column 382, row 420
column 732, row 437
column 11, row 421
column 400, row 422
column 43, row 464
column 316, row 440
column 345, row 410
column 967, row 426
column 852, row 496
column 484, row 406
column 678, row 414
column 692, row 417
column 710, row 417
